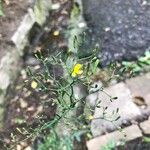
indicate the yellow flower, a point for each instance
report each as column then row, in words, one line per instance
column 34, row 84
column 77, row 70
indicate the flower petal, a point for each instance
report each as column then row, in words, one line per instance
column 34, row 84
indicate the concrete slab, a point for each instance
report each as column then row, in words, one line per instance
column 140, row 87
column 130, row 133
column 127, row 109
column 145, row 126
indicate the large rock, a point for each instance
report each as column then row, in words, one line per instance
column 10, row 65
column 121, row 28
column 127, row 109
column 36, row 15
column 20, row 37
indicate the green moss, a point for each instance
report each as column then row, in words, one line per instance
column 41, row 11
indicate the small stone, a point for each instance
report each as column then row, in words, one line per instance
column 55, row 6
column 144, row 3
column 28, row 148
column 107, row 29
column 18, row 87
column 19, row 147
column 23, row 103
column 24, row 144
column 37, row 67
column 18, row 110
column 24, row 74
column 30, row 108
column 81, row 25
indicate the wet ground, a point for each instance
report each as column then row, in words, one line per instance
column 121, row 28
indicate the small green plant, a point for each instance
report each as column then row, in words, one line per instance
column 138, row 65
column 75, row 11
column 53, row 142
column 71, row 121
column 146, row 139
column 76, row 71
column 111, row 145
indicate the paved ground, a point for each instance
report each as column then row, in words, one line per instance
column 120, row 27
column 134, row 111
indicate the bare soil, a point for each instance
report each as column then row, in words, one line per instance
column 28, row 108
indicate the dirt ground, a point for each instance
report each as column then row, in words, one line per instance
column 27, row 108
